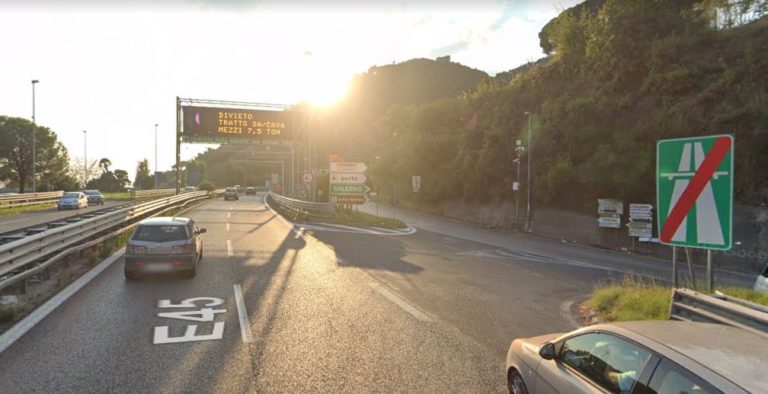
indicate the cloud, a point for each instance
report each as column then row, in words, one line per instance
column 450, row 49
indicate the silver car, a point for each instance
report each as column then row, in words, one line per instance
column 656, row 357
column 164, row 245
column 72, row 200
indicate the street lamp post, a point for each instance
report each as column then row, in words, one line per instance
column 156, row 155
column 85, row 159
column 528, row 186
column 34, row 142
column 519, row 148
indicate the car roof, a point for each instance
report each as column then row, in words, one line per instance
column 165, row 220
column 92, row 191
column 736, row 354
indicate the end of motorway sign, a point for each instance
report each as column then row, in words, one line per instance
column 694, row 191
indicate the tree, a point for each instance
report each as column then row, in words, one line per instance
column 78, row 170
column 143, row 180
column 122, row 179
column 104, row 164
column 207, row 186
column 52, row 160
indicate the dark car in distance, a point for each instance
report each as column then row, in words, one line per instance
column 231, row 194
column 249, row 191
column 164, row 245
column 94, row 197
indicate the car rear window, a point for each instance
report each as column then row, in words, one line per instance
column 71, row 195
column 160, row 233
column 92, row 192
column 231, row 189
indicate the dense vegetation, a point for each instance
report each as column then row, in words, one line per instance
column 620, row 75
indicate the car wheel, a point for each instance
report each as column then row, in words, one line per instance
column 192, row 272
column 515, row 383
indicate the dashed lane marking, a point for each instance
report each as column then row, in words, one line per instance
column 400, row 302
column 245, row 324
column 229, row 248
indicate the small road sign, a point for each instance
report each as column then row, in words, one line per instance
column 416, row 183
column 348, row 166
column 348, row 178
column 307, row 178
column 349, row 189
column 354, row 199
column 694, row 191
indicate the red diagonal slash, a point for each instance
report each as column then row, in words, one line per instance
column 691, row 193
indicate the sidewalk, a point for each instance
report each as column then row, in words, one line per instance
column 659, row 269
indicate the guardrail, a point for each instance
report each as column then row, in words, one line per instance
column 30, row 255
column 301, row 208
column 18, row 200
column 689, row 305
column 152, row 193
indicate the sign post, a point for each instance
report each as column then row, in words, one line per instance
column 694, row 194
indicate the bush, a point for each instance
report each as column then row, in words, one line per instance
column 207, row 186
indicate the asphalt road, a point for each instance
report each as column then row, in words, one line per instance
column 10, row 223
column 334, row 311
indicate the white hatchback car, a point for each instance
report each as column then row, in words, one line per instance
column 72, row 200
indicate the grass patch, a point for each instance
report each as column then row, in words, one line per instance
column 635, row 298
column 357, row 218
column 118, row 196
column 26, row 208
column 746, row 294
column 631, row 299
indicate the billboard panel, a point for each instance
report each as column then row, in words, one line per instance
column 224, row 125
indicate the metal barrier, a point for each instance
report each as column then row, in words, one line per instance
column 139, row 194
column 301, row 209
column 29, row 255
column 689, row 305
column 18, row 200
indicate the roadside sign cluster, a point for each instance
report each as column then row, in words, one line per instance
column 347, row 183
column 416, row 183
column 609, row 213
column 640, row 220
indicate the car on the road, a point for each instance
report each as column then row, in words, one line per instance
column 72, row 200
column 230, row 193
column 761, row 283
column 189, row 189
column 164, row 245
column 249, row 191
column 640, row 357
column 94, row 197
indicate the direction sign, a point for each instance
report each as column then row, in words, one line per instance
column 416, row 183
column 694, row 191
column 349, row 189
column 348, row 178
column 349, row 167
column 354, row 199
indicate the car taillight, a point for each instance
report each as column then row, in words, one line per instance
column 135, row 249
column 184, row 249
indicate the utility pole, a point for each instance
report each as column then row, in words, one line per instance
column 519, row 148
column 34, row 142
column 528, row 186
column 85, row 159
column 156, row 155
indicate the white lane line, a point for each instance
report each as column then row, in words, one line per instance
column 27, row 323
column 229, row 215
column 400, row 302
column 245, row 325
column 227, row 227
column 229, row 248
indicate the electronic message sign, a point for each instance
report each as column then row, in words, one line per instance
column 233, row 125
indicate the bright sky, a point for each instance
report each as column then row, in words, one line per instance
column 116, row 70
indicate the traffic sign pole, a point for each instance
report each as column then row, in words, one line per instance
column 694, row 193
